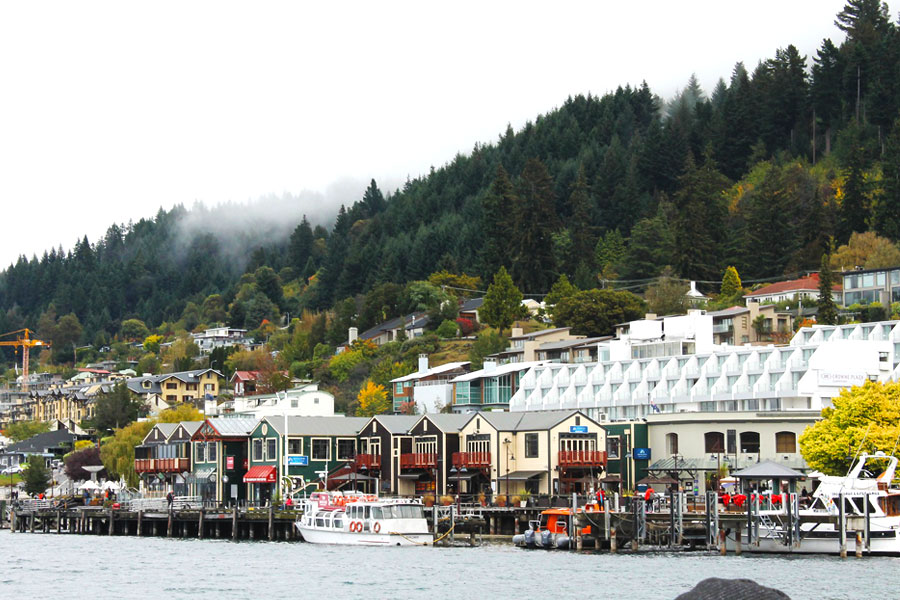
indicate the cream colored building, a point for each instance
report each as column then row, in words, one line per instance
column 697, row 445
column 537, row 452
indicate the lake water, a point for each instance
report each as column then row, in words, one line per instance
column 97, row 567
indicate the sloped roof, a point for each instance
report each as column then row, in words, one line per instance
column 327, row 426
column 245, row 376
column 397, row 423
column 471, row 304
column 42, row 442
column 768, row 469
column 135, row 384
column 447, row 422
column 571, row 343
column 499, row 370
column 728, row 312
column 539, row 333
column 524, row 421
column 233, row 426
column 809, row 283
column 432, row 371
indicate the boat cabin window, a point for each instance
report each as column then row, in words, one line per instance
column 368, row 512
column 377, row 513
column 338, row 521
column 858, row 504
column 890, row 505
column 320, row 521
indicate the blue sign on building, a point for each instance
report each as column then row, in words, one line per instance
column 641, row 454
column 298, row 461
column 578, row 429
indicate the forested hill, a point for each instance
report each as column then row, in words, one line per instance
column 761, row 173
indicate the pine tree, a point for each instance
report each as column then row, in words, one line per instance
column 300, row 246
column 854, row 203
column 580, row 211
column 498, row 210
column 731, row 283
column 536, row 221
column 503, row 302
column 886, row 217
column 373, row 200
column 827, row 310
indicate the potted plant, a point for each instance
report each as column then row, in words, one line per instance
column 482, row 499
column 514, row 500
column 428, row 500
column 523, row 498
column 501, row 500
column 446, row 500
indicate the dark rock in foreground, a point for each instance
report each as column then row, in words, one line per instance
column 731, row 589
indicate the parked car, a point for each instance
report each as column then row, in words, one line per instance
column 13, row 470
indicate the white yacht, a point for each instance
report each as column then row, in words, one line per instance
column 871, row 507
column 363, row 520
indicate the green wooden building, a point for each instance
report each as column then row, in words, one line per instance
column 627, row 455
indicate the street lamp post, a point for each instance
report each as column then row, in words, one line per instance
column 506, row 443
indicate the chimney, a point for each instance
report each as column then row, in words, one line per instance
column 423, row 363
column 489, row 365
column 515, row 332
column 650, row 316
column 352, row 335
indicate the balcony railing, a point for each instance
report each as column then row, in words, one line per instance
column 418, row 460
column 582, row 458
column 472, row 460
column 369, row 461
column 162, row 465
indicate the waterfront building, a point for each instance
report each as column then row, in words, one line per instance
column 696, row 448
column 628, row 455
column 428, row 388
column 381, row 442
column 221, row 457
column 426, row 466
column 317, row 448
column 163, row 460
column 736, row 324
column 548, row 452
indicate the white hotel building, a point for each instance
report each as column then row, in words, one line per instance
column 670, row 365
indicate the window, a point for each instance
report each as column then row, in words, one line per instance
column 671, row 443
column 295, row 446
column 785, row 442
column 612, row 447
column 199, row 452
column 171, row 386
column 320, row 449
column 346, row 449
column 257, row 449
column 211, row 452
column 750, row 442
column 732, row 441
column 398, row 387
column 714, row 442
column 531, row 445
column 271, row 448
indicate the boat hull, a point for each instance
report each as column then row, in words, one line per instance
column 366, row 538
column 883, row 543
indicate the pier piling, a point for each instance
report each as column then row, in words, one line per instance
column 200, row 524
column 737, row 540
column 612, row 541
column 271, row 522
column 234, row 525
column 859, row 546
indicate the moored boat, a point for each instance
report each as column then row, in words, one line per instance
column 362, row 520
column 552, row 530
column 871, row 508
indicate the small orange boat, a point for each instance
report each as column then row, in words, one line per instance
column 551, row 531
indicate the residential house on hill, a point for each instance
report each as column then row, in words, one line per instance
column 735, row 325
column 523, row 346
column 795, row 289
column 170, row 389
column 469, row 309
column 429, row 388
column 412, row 325
column 865, row 286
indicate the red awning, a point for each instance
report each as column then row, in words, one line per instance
column 260, row 474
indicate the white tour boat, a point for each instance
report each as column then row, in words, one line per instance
column 871, row 508
column 363, row 520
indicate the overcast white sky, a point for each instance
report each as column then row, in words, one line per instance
column 109, row 110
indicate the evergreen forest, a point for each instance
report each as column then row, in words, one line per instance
column 776, row 166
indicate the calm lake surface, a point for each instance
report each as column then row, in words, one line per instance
column 74, row 566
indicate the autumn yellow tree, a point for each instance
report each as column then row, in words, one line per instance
column 863, row 418
column 373, row 400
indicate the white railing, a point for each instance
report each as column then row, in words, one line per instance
column 161, row 504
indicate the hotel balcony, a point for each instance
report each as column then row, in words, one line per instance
column 472, row 460
column 418, row 460
column 162, row 465
column 581, row 458
column 368, row 461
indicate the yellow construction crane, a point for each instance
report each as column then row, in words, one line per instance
column 27, row 343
